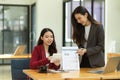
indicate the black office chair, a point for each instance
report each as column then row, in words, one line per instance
column 17, row 66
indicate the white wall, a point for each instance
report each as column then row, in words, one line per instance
column 23, row 2
column 49, row 14
column 33, row 1
column 112, row 26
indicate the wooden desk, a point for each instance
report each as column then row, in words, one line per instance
column 42, row 76
column 10, row 56
column 81, row 75
column 71, row 75
column 109, row 55
column 111, row 76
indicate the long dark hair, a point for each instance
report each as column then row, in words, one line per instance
column 52, row 48
column 79, row 29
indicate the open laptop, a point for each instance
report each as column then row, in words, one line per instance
column 19, row 50
column 111, row 66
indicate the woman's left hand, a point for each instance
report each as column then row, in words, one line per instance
column 57, row 62
column 81, row 51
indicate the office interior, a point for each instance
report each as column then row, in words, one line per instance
column 22, row 20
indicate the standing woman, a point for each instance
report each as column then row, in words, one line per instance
column 88, row 34
column 41, row 54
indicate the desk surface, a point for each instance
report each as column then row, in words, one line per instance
column 71, row 75
column 109, row 55
column 113, row 75
column 10, row 56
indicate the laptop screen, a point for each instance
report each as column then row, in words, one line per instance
column 19, row 50
column 111, row 66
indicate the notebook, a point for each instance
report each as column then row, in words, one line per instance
column 69, row 59
column 19, row 50
column 111, row 66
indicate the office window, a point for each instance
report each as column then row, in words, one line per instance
column 99, row 10
column 14, row 28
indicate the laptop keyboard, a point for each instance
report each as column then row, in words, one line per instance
column 99, row 71
column 96, row 71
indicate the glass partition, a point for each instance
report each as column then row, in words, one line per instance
column 14, row 28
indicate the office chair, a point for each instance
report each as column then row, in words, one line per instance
column 17, row 66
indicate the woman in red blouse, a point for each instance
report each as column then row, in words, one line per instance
column 42, row 53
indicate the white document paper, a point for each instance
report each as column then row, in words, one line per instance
column 70, row 60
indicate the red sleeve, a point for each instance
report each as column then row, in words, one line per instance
column 53, row 66
column 37, row 58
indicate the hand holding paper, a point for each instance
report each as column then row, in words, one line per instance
column 56, row 59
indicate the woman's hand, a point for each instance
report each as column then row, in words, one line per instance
column 50, row 58
column 81, row 51
column 57, row 62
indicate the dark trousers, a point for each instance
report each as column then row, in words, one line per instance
column 85, row 62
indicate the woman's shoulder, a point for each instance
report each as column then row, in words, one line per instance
column 38, row 46
column 98, row 26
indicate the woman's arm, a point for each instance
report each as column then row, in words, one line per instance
column 37, row 60
column 97, row 45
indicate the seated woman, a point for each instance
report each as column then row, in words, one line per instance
column 42, row 53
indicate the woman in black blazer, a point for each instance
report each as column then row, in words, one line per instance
column 88, row 34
